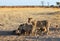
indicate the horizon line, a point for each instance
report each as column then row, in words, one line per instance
column 28, row 6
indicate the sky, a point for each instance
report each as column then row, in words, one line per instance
column 27, row 2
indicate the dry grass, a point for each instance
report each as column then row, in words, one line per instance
column 11, row 18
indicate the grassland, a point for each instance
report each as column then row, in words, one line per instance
column 11, row 18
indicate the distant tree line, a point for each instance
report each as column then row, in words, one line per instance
column 48, row 4
column 58, row 4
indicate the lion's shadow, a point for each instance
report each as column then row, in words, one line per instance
column 6, row 33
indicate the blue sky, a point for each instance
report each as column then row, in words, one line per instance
column 26, row 2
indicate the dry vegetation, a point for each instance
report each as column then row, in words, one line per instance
column 11, row 18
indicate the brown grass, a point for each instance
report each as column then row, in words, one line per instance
column 11, row 18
